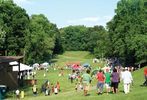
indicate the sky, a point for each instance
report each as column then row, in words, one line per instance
column 72, row 12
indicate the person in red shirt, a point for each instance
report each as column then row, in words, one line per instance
column 101, row 80
column 145, row 76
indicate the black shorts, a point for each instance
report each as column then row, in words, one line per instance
column 114, row 84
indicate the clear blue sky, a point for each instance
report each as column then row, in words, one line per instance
column 72, row 12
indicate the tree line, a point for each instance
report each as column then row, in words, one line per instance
column 38, row 40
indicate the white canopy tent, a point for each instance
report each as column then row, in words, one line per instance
column 45, row 64
column 23, row 67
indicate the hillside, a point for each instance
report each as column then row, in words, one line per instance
column 67, row 89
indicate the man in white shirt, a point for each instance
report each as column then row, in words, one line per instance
column 127, row 80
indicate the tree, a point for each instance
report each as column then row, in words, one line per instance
column 126, row 29
column 2, row 37
column 41, row 40
column 97, row 36
column 14, row 21
column 85, row 38
column 72, row 37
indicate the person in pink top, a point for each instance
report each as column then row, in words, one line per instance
column 101, row 80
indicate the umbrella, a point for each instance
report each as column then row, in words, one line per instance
column 75, row 66
column 86, row 65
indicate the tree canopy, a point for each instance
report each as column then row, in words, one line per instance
column 128, row 32
column 81, row 37
column 41, row 39
column 35, row 37
column 14, row 23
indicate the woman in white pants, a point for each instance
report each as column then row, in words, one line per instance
column 127, row 80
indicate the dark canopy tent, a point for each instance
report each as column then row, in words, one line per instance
column 7, row 76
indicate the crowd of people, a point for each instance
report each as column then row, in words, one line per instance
column 108, row 81
column 47, row 89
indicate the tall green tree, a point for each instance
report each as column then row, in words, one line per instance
column 97, row 35
column 2, row 37
column 14, row 21
column 41, row 40
column 128, row 32
column 101, row 47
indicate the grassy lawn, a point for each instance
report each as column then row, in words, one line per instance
column 67, row 88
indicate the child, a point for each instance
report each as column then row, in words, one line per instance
column 22, row 94
column 58, row 86
column 52, row 86
column 34, row 89
column 55, row 90
column 44, row 75
column 17, row 92
column 47, row 92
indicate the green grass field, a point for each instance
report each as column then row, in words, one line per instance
column 67, row 89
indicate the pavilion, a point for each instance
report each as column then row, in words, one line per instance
column 7, row 76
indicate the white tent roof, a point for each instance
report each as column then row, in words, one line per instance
column 23, row 67
column 13, row 63
column 36, row 65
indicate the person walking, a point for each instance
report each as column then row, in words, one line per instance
column 127, row 80
column 107, row 80
column 86, row 79
column 34, row 90
column 115, row 79
column 101, row 80
column 145, row 77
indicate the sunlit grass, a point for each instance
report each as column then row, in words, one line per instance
column 67, row 89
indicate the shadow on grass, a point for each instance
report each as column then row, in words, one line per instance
column 26, row 88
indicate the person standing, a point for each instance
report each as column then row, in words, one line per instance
column 86, row 79
column 58, row 86
column 107, row 80
column 47, row 90
column 115, row 79
column 145, row 76
column 17, row 92
column 127, row 80
column 101, row 79
column 34, row 90
column 55, row 90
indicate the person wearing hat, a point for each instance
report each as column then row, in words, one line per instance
column 127, row 80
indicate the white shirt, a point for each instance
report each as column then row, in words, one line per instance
column 127, row 77
column 55, row 90
column 17, row 92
